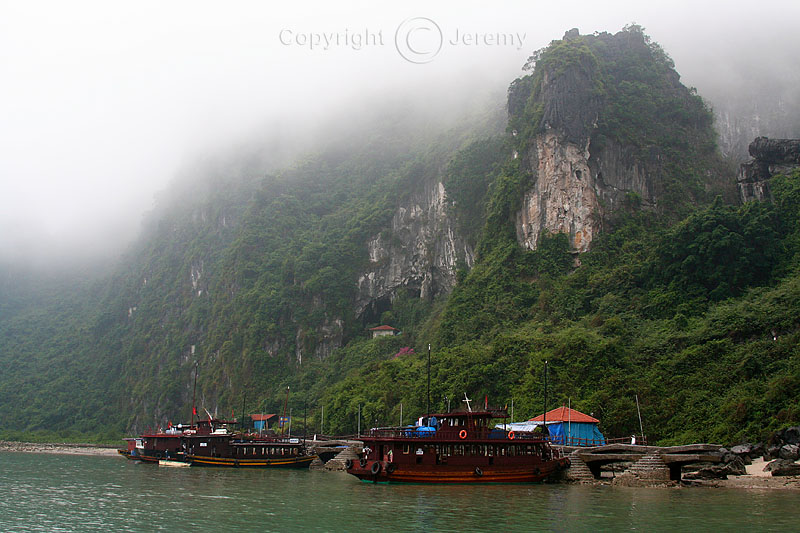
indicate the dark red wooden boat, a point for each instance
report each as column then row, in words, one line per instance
column 155, row 446
column 456, row 447
column 235, row 450
column 210, row 443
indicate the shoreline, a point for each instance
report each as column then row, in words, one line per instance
column 755, row 479
column 61, row 448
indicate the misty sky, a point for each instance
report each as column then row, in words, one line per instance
column 101, row 103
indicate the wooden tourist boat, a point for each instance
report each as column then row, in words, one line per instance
column 456, row 447
column 158, row 445
column 234, row 450
column 209, row 443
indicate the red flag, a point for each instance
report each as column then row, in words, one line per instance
column 486, row 402
column 194, row 410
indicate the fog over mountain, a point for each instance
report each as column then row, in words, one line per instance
column 103, row 104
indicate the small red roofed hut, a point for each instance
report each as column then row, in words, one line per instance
column 383, row 331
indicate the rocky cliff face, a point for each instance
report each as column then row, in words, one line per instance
column 579, row 170
column 769, row 157
column 575, row 186
column 419, row 252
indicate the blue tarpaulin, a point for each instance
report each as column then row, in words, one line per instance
column 575, row 434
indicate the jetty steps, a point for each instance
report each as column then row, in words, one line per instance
column 642, row 464
column 334, row 453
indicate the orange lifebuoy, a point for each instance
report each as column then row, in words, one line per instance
column 510, row 435
column 462, row 434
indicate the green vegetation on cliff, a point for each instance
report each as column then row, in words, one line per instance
column 693, row 307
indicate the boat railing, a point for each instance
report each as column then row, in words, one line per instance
column 451, row 433
column 563, row 440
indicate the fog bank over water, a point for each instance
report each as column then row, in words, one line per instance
column 104, row 104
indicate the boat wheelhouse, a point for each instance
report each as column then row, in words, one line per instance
column 456, row 447
column 169, row 444
column 158, row 445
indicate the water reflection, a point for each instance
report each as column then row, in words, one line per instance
column 70, row 493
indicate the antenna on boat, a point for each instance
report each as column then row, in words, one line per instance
column 467, row 400
column 194, row 394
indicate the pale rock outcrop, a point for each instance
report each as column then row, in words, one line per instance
column 421, row 251
column 578, row 176
column 563, row 198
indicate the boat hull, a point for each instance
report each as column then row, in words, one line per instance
column 152, row 459
column 456, row 474
column 291, row 462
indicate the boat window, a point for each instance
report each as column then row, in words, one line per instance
column 262, row 451
column 406, row 448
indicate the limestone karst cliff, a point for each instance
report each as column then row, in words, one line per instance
column 769, row 157
column 602, row 121
column 419, row 252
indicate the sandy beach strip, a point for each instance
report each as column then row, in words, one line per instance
column 59, row 448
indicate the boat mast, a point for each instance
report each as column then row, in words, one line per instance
column 428, row 410
column 244, row 403
column 283, row 417
column 194, row 394
column 545, row 399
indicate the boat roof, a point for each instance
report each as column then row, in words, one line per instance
column 477, row 413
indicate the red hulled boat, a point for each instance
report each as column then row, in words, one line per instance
column 456, row 447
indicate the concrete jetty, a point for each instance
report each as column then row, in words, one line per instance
column 642, row 463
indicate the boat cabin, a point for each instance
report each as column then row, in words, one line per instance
column 455, row 438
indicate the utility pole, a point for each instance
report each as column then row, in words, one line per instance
column 641, row 429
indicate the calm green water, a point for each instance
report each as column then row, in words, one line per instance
column 40, row 492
